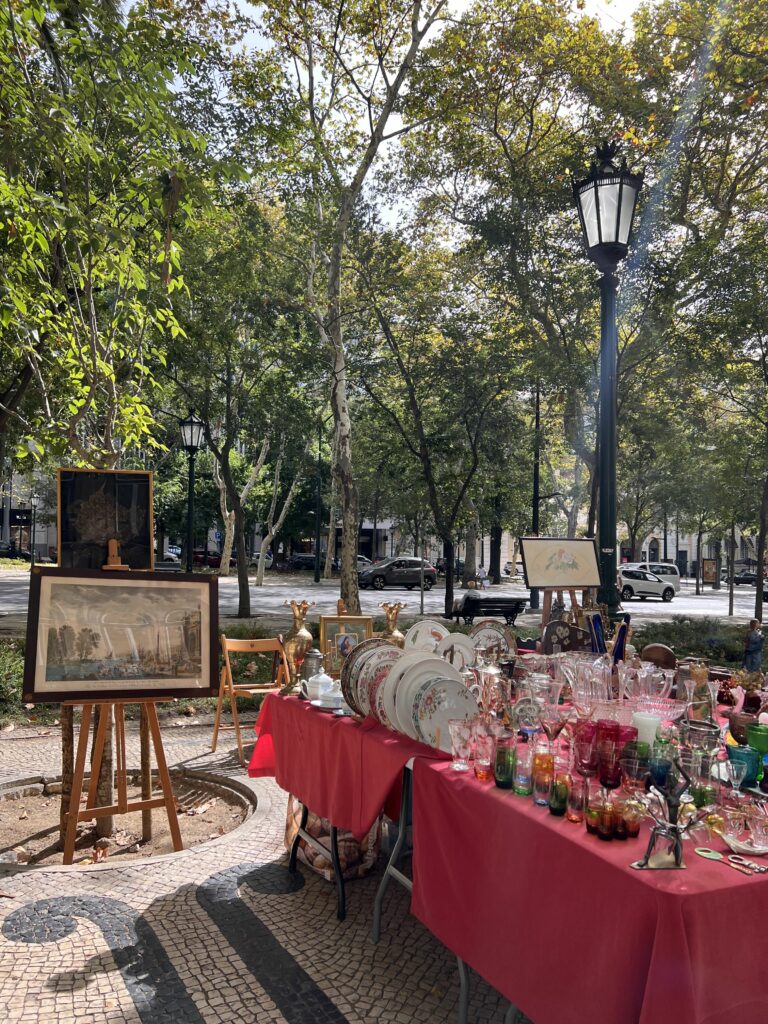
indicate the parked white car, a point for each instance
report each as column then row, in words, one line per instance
column 668, row 571
column 267, row 560
column 641, row 583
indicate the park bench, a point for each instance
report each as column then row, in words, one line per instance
column 473, row 606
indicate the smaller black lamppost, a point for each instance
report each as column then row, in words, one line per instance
column 192, row 441
column 34, row 501
column 606, row 201
column 319, row 506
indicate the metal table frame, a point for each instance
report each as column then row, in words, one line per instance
column 341, row 898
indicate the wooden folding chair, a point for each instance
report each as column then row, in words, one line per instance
column 281, row 677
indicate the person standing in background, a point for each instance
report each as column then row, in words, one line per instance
column 753, row 647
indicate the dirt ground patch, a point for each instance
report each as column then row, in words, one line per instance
column 29, row 825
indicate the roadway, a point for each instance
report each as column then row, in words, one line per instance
column 268, row 601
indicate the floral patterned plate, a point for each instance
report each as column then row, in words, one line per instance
column 457, row 649
column 490, row 633
column 373, row 672
column 424, row 636
column 429, row 667
column 437, row 701
column 350, row 663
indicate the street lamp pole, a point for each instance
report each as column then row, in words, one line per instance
column 192, row 440
column 606, row 201
column 34, row 501
column 536, row 468
column 319, row 507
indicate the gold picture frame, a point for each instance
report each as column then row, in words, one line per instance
column 339, row 634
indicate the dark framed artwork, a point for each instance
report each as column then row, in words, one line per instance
column 97, row 505
column 560, row 563
column 116, row 636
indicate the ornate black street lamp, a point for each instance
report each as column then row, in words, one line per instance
column 34, row 501
column 606, row 201
column 192, row 430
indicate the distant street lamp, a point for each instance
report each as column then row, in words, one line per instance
column 34, row 501
column 192, row 441
column 606, row 201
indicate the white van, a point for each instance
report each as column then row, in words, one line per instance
column 667, row 570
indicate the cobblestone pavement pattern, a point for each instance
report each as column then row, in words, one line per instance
column 216, row 934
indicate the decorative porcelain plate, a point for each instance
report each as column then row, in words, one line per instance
column 462, row 648
column 490, row 633
column 437, row 701
column 390, row 685
column 373, row 671
column 429, row 667
column 424, row 636
column 349, row 663
column 379, row 669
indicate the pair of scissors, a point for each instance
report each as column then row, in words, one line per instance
column 736, row 858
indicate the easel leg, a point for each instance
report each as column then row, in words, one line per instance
column 146, row 776
column 77, row 785
column 122, row 771
column 165, row 779
column 219, row 706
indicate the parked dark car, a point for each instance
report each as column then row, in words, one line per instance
column 306, row 560
column 11, row 551
column 442, row 564
column 213, row 559
column 746, row 577
column 397, row 572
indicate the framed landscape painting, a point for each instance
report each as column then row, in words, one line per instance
column 339, row 634
column 96, row 636
column 560, row 563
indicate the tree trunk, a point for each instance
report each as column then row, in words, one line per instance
column 226, row 551
column 67, row 718
column 718, row 563
column 494, row 568
column 266, row 543
column 592, row 514
column 105, row 792
column 244, row 599
column 698, row 560
column 731, row 568
column 331, row 543
column 470, row 553
column 449, row 555
column 761, row 550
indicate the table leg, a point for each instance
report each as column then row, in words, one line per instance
column 297, row 839
column 341, row 898
column 391, row 870
column 463, row 1015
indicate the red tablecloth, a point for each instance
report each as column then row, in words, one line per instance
column 559, row 923
column 342, row 769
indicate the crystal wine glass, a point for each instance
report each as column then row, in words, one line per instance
column 736, row 772
column 553, row 720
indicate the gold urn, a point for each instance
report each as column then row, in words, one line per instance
column 391, row 632
column 299, row 639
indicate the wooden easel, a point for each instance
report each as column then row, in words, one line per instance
column 122, row 806
column 546, row 605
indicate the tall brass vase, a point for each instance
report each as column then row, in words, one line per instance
column 391, row 632
column 299, row 639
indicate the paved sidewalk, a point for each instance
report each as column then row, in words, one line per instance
column 219, row 933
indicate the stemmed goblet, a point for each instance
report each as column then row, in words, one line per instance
column 553, row 720
column 736, row 772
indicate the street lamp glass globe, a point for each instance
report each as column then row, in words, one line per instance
column 34, row 500
column 606, row 201
column 191, row 433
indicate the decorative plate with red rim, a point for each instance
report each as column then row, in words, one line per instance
column 424, row 636
column 349, row 664
column 371, row 679
column 490, row 633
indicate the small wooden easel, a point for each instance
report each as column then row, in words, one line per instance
column 546, row 605
column 167, row 800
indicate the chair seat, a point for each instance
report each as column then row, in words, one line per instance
column 249, row 691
